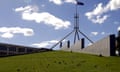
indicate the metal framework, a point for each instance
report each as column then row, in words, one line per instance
column 76, row 29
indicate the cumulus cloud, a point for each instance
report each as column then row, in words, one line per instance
column 45, row 43
column 60, row 2
column 7, row 35
column 118, row 28
column 103, row 33
column 9, row 32
column 70, row 1
column 99, row 19
column 94, row 33
column 31, row 13
column 98, row 14
column 27, row 9
column 97, row 33
column 113, row 5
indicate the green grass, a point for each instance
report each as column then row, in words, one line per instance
column 58, row 61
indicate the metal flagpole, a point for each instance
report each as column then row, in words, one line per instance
column 76, row 27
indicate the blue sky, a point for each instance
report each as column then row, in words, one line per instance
column 42, row 23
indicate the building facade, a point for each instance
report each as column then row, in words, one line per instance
column 103, row 47
column 10, row 50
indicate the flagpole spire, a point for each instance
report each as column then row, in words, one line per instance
column 75, row 30
column 76, row 25
column 76, row 21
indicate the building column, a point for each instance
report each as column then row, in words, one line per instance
column 7, row 52
column 17, row 50
column 25, row 50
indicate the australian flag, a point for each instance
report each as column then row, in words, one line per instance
column 79, row 3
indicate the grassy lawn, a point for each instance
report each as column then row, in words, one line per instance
column 58, row 61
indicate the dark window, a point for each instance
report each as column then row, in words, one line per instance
column 3, row 53
column 12, row 48
column 3, row 47
column 29, row 50
column 11, row 54
column 21, row 49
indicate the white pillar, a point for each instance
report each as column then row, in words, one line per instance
column 7, row 50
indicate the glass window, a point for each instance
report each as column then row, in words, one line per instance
column 12, row 48
column 3, row 53
column 21, row 49
column 2, row 47
column 29, row 50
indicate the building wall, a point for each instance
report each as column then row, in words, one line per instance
column 65, row 48
column 8, row 50
column 105, row 47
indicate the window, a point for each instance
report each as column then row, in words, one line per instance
column 2, row 47
column 29, row 50
column 12, row 48
column 21, row 49
column 3, row 53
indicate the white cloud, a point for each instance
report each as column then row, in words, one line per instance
column 94, row 33
column 27, row 9
column 118, row 28
column 97, row 15
column 97, row 33
column 103, row 33
column 99, row 19
column 7, row 35
column 113, row 5
column 31, row 14
column 9, row 32
column 45, row 43
column 70, row 1
column 47, row 18
column 60, row 2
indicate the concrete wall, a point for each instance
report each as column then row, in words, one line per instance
column 65, row 48
column 105, row 47
column 77, row 46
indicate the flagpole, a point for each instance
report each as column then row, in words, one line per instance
column 76, row 27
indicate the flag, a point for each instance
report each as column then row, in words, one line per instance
column 80, row 3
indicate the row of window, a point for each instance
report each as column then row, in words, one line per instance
column 12, row 48
column 3, row 47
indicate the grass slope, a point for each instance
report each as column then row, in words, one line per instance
column 59, row 61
